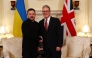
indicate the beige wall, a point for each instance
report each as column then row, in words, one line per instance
column 37, row 4
column 8, row 14
column 1, row 12
column 84, row 15
column 81, row 15
column 90, row 14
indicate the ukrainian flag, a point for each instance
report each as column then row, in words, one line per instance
column 20, row 16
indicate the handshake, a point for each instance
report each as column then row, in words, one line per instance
column 41, row 39
column 40, row 43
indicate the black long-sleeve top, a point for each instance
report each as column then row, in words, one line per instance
column 30, row 34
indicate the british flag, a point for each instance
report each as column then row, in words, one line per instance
column 68, row 19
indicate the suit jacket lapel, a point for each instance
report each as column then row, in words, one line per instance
column 50, row 22
column 43, row 25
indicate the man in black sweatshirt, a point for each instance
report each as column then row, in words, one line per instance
column 31, row 37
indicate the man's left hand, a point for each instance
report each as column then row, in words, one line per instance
column 58, row 48
column 38, row 48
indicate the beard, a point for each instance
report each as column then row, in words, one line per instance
column 31, row 18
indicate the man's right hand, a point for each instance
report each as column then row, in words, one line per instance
column 41, row 39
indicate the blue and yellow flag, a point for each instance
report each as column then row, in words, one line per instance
column 20, row 16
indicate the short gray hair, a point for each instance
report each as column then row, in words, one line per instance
column 46, row 6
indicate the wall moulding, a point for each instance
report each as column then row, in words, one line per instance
column 45, row 0
column 54, row 13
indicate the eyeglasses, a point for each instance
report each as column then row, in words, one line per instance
column 45, row 11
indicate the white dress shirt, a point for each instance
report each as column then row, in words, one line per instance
column 48, row 20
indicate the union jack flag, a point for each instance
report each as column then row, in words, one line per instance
column 68, row 19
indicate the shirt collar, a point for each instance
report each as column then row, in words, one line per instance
column 47, row 19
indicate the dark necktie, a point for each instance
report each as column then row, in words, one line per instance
column 46, row 25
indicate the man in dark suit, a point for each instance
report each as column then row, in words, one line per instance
column 50, row 30
column 31, row 38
